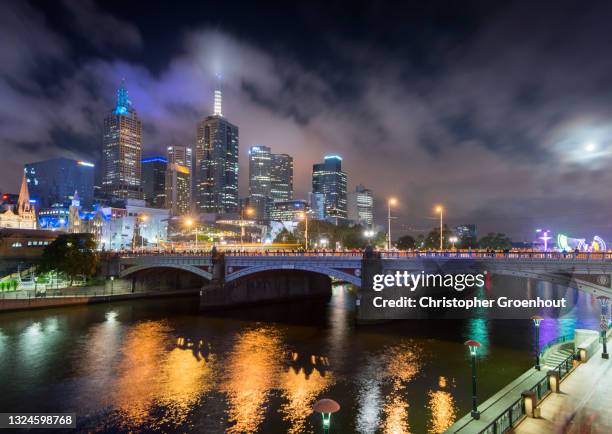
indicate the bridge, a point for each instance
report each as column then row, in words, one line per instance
column 233, row 278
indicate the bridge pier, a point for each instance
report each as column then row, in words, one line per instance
column 371, row 264
column 261, row 288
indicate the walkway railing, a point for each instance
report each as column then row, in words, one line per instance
column 516, row 411
column 455, row 254
column 555, row 341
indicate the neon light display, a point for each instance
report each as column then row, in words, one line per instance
column 598, row 245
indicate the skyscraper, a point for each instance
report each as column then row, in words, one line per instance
column 329, row 180
column 154, row 181
column 183, row 156
column 122, row 150
column 217, row 163
column 281, row 177
column 53, row 182
column 260, row 165
column 361, row 206
column 178, row 189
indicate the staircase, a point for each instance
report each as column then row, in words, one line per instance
column 555, row 358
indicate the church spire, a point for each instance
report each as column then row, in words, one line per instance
column 218, row 98
column 123, row 102
column 23, row 203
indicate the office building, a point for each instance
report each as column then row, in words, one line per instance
column 361, row 206
column 122, row 150
column 181, row 155
column 466, row 232
column 329, row 180
column 53, row 182
column 260, row 165
column 217, row 163
column 281, row 177
column 178, row 189
column 154, row 181
column 288, row 210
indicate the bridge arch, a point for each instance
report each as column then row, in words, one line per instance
column 328, row 271
column 184, row 267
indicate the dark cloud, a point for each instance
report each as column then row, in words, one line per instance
column 490, row 115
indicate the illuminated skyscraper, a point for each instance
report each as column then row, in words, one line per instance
column 217, row 163
column 260, row 165
column 329, row 179
column 281, row 177
column 122, row 150
column 361, row 206
column 178, row 189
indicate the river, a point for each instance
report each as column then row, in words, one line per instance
column 160, row 365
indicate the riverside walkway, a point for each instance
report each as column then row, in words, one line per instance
column 583, row 406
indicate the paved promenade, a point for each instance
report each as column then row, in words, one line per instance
column 583, row 406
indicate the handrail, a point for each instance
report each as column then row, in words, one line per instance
column 512, row 414
column 555, row 341
column 454, row 254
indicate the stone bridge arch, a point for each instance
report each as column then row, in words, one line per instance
column 184, row 267
column 318, row 269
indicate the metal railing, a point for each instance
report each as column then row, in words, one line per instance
column 555, row 341
column 451, row 254
column 516, row 411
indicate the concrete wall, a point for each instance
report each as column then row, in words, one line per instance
column 265, row 287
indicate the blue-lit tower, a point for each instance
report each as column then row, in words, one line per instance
column 122, row 150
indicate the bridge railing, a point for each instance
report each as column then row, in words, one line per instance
column 508, row 418
column 450, row 254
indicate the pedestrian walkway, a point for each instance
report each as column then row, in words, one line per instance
column 583, row 406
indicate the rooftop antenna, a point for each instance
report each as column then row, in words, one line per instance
column 218, row 98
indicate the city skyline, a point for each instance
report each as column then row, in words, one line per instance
column 514, row 157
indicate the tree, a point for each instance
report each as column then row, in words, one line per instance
column 495, row 241
column 71, row 254
column 405, row 242
column 285, row 237
column 432, row 240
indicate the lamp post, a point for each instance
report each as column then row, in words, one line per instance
column 326, row 407
column 144, row 219
column 440, row 209
column 189, row 222
column 304, row 215
column 536, row 321
column 604, row 301
column 369, row 233
column 453, row 240
column 391, row 202
column 248, row 211
column 473, row 346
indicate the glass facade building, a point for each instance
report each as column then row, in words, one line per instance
column 154, row 181
column 329, row 180
column 178, row 189
column 53, row 182
column 122, row 150
column 361, row 206
column 260, row 180
column 216, row 183
column 281, row 177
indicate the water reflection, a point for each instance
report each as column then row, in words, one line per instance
column 252, row 368
column 150, row 376
column 442, row 407
column 383, row 394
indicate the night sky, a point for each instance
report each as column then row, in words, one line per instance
column 503, row 112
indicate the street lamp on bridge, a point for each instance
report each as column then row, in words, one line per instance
column 304, row 215
column 603, row 325
column 189, row 223
column 536, row 321
column 473, row 346
column 249, row 212
column 369, row 233
column 440, row 209
column 391, row 202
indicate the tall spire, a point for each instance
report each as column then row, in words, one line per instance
column 23, row 203
column 218, row 98
column 122, row 100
